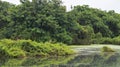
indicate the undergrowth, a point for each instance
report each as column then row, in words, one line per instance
column 26, row 48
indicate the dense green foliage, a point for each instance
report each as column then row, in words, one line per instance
column 115, row 40
column 26, row 48
column 47, row 20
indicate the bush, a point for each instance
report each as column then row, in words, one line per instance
column 28, row 47
column 97, row 38
column 107, row 49
column 115, row 40
column 107, row 41
column 16, row 53
column 23, row 48
column 3, row 53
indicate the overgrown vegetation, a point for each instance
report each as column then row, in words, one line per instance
column 107, row 49
column 47, row 20
column 26, row 48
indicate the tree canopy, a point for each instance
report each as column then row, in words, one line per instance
column 48, row 20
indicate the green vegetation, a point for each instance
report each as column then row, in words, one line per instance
column 48, row 20
column 42, row 28
column 115, row 40
column 107, row 49
column 27, row 48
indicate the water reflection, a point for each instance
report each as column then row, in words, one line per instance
column 90, row 60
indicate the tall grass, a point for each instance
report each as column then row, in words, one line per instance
column 26, row 48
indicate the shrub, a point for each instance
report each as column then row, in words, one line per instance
column 106, row 41
column 23, row 48
column 115, row 40
column 107, row 49
column 97, row 38
column 28, row 47
column 16, row 53
column 3, row 53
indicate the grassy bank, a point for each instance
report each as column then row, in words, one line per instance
column 26, row 48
